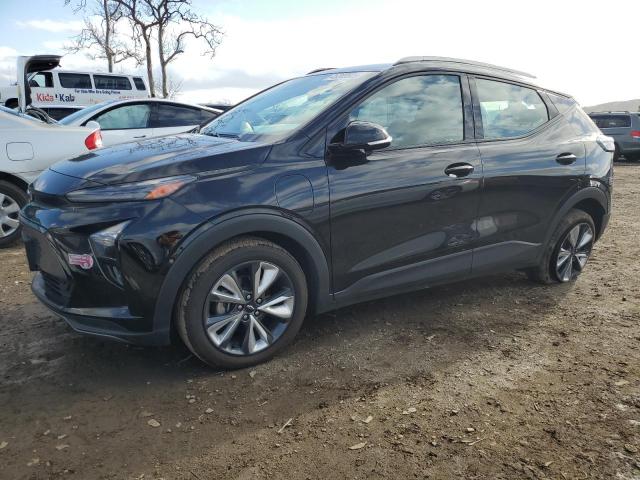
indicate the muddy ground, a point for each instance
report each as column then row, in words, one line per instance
column 498, row 378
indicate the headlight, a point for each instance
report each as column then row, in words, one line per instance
column 128, row 192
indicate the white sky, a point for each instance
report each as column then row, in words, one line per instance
column 585, row 48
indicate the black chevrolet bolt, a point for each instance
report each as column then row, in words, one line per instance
column 333, row 188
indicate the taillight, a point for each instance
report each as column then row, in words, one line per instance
column 636, row 134
column 94, row 140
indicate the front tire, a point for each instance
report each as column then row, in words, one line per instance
column 568, row 250
column 244, row 303
column 12, row 199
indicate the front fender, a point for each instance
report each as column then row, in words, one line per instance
column 219, row 230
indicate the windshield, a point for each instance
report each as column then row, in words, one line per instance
column 70, row 119
column 285, row 107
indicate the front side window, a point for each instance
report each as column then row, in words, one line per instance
column 74, row 80
column 509, row 110
column 125, row 117
column 420, row 110
column 41, row 80
column 277, row 112
column 110, row 82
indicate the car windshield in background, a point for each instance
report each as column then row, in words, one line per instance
column 70, row 119
column 612, row 121
column 285, row 107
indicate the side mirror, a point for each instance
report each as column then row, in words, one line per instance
column 93, row 124
column 364, row 136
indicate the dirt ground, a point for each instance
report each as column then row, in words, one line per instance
column 498, row 378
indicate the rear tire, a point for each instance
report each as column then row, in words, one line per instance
column 562, row 261
column 244, row 303
column 12, row 199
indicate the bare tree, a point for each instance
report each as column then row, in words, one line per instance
column 143, row 23
column 176, row 22
column 99, row 34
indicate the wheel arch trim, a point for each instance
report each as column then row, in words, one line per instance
column 214, row 233
column 591, row 193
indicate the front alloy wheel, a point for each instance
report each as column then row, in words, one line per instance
column 244, row 302
column 249, row 307
column 574, row 252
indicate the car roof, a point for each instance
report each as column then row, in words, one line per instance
column 613, row 113
column 110, row 103
column 86, row 72
column 438, row 63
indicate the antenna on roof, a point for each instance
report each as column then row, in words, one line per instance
column 462, row 62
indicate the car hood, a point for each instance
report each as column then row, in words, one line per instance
column 162, row 157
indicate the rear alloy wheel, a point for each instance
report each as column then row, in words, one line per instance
column 574, row 252
column 244, row 303
column 568, row 250
column 12, row 199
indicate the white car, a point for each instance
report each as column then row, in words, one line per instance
column 132, row 120
column 28, row 146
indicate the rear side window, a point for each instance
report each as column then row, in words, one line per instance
column 420, row 110
column 127, row 116
column 109, row 82
column 74, row 80
column 612, row 121
column 206, row 116
column 176, row 116
column 509, row 110
column 139, row 83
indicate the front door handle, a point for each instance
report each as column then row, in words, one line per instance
column 141, row 136
column 566, row 158
column 457, row 170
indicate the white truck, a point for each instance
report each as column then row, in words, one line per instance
column 62, row 92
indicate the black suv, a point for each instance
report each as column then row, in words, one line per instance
column 337, row 187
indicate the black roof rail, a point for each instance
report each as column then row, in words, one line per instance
column 462, row 62
column 613, row 111
column 320, row 70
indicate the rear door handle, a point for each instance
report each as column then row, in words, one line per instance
column 566, row 158
column 457, row 170
column 140, row 136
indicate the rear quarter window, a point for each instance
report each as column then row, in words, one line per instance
column 561, row 102
column 139, row 83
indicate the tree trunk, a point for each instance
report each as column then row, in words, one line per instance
column 107, row 35
column 163, row 63
column 147, row 51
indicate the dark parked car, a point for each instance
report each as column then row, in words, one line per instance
column 624, row 128
column 337, row 187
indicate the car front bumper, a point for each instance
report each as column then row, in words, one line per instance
column 112, row 323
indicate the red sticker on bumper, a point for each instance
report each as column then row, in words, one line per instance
column 84, row 261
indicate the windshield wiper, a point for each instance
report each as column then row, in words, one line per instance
column 224, row 135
